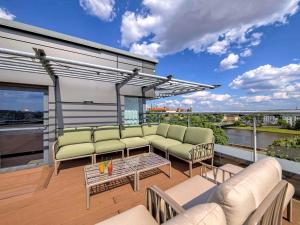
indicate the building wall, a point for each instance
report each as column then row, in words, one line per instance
column 79, row 102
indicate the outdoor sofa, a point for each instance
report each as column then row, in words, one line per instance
column 255, row 195
column 191, row 144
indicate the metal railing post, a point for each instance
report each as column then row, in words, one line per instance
column 254, row 155
column 188, row 121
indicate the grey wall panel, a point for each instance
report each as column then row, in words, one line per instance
column 89, row 113
column 79, row 90
column 88, row 120
column 24, row 78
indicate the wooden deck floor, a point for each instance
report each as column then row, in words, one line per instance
column 35, row 196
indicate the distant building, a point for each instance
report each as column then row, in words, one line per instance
column 270, row 120
column 291, row 120
column 230, row 118
column 158, row 109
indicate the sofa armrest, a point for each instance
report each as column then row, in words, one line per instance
column 161, row 206
column 202, row 151
column 215, row 171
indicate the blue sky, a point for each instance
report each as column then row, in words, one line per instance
column 251, row 48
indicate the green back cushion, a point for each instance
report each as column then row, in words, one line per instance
column 75, row 136
column 134, row 131
column 104, row 133
column 176, row 132
column 162, row 129
column 149, row 129
column 198, row 135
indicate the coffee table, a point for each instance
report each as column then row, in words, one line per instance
column 130, row 166
column 145, row 162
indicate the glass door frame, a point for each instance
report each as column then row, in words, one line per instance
column 44, row 127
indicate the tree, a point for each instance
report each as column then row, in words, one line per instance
column 283, row 123
column 297, row 125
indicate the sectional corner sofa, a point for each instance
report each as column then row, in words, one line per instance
column 191, row 144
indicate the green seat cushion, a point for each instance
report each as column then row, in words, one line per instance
column 198, row 135
column 150, row 138
column 164, row 144
column 162, row 129
column 149, row 129
column 176, row 132
column 182, row 150
column 75, row 136
column 70, row 151
column 108, row 146
column 134, row 142
column 104, row 133
column 132, row 131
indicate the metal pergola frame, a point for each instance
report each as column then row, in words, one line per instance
column 55, row 67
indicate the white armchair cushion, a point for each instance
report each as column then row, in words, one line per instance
column 204, row 214
column 243, row 193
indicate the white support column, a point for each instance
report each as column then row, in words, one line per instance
column 254, row 155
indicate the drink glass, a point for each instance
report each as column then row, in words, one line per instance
column 110, row 167
column 101, row 167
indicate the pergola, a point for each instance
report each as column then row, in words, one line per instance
column 41, row 63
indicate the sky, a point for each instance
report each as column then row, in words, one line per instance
column 250, row 48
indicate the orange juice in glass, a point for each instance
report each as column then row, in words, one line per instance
column 101, row 167
column 110, row 167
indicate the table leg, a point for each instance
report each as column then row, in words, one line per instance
column 87, row 197
column 137, row 182
column 170, row 168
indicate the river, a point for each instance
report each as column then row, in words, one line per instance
column 245, row 137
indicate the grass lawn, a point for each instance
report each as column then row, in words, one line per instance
column 270, row 129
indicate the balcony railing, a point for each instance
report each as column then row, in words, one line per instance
column 250, row 152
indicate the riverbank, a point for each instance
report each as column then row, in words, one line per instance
column 269, row 129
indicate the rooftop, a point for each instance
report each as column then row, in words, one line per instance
column 38, row 197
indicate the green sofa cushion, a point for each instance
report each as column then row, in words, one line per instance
column 149, row 129
column 134, row 142
column 75, row 136
column 198, row 135
column 164, row 144
column 104, row 133
column 75, row 150
column 108, row 146
column 182, row 150
column 162, row 129
column 150, row 138
column 176, row 132
column 134, row 131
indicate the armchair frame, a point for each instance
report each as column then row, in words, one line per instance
column 161, row 206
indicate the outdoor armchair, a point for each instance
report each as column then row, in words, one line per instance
column 256, row 194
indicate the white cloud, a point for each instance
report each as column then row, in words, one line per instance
column 229, row 62
column 5, row 14
column 187, row 101
column 219, row 47
column 204, row 96
column 103, row 9
column 200, row 25
column 150, row 50
column 246, row 53
column 280, row 95
column 256, row 98
column 268, row 78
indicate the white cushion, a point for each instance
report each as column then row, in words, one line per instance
column 191, row 192
column 204, row 214
column 243, row 193
column 134, row 216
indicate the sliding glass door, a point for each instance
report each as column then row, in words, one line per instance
column 23, row 139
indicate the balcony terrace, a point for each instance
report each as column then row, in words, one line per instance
column 36, row 196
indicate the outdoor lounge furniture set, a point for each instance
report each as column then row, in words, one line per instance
column 250, row 196
column 191, row 144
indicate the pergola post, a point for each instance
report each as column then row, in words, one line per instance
column 118, row 94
